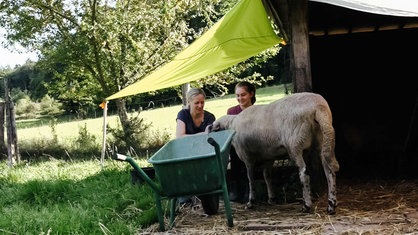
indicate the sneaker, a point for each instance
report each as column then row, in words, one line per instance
column 233, row 197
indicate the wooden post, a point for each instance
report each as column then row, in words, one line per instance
column 12, row 147
column 300, row 64
column 3, row 147
column 294, row 15
column 104, row 106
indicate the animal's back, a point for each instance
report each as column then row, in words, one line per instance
column 281, row 109
column 290, row 112
column 286, row 123
column 298, row 103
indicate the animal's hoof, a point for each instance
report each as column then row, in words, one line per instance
column 331, row 209
column 306, row 209
column 272, row 201
column 249, row 205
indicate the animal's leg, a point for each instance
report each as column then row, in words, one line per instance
column 267, row 172
column 329, row 162
column 332, row 188
column 250, row 175
column 305, row 180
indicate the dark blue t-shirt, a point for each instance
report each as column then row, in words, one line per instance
column 186, row 117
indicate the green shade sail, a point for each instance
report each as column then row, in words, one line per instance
column 242, row 33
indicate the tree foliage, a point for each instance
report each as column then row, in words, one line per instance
column 109, row 43
column 91, row 49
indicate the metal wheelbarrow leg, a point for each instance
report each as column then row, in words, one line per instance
column 225, row 193
column 156, row 190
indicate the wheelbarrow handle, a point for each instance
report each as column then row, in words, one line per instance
column 117, row 156
column 120, row 157
column 212, row 142
column 144, row 176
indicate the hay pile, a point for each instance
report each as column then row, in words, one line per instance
column 373, row 207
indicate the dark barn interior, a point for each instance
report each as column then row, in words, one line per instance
column 365, row 65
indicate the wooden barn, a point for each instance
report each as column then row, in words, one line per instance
column 361, row 58
column 360, row 55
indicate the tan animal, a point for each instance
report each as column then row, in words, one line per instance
column 291, row 126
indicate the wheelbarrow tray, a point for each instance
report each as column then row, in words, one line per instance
column 188, row 165
column 192, row 165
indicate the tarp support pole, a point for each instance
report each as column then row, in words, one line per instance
column 104, row 133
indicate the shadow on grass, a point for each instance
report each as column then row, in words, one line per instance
column 104, row 201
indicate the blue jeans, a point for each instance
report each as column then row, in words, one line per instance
column 183, row 200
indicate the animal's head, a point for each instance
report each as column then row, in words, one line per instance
column 222, row 123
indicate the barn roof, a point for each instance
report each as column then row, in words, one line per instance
column 330, row 17
column 405, row 8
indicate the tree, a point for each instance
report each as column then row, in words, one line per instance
column 97, row 47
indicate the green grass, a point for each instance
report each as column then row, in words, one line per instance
column 58, row 197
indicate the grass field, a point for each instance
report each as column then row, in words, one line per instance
column 163, row 119
column 83, row 197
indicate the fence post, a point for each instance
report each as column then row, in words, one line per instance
column 12, row 147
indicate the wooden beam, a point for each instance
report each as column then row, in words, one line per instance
column 300, row 65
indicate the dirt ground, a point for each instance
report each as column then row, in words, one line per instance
column 364, row 207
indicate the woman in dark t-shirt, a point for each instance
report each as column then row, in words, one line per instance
column 185, row 116
column 194, row 119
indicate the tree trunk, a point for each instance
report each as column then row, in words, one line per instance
column 127, row 126
column 122, row 113
column 184, row 89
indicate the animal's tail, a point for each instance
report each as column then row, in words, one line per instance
column 324, row 118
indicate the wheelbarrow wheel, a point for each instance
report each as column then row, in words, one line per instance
column 210, row 203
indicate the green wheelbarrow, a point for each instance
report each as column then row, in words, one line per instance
column 192, row 165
